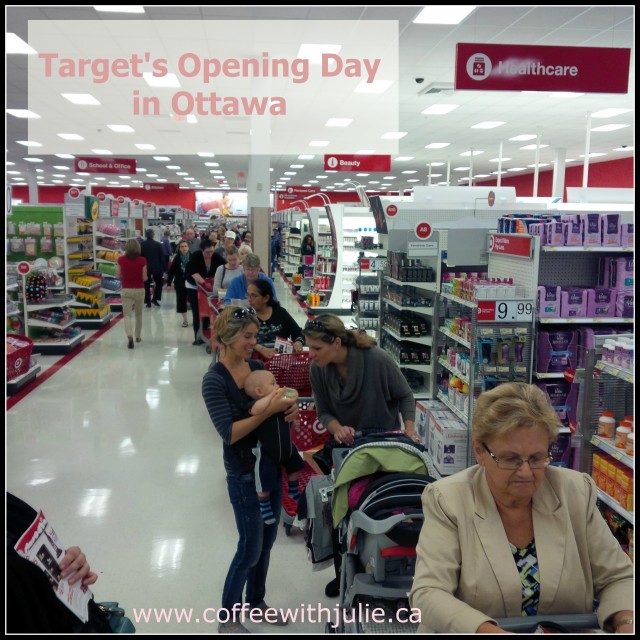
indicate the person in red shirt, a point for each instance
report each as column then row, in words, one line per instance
column 132, row 271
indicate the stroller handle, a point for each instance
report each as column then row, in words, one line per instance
column 569, row 621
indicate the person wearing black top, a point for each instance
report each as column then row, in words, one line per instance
column 201, row 267
column 32, row 605
column 275, row 320
column 153, row 251
column 177, row 274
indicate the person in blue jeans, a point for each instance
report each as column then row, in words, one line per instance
column 223, row 392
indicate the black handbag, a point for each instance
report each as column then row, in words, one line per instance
column 114, row 614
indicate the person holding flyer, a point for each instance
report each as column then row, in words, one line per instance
column 47, row 588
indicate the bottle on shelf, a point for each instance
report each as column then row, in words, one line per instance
column 606, row 425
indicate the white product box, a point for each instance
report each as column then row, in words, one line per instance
column 449, row 446
column 422, row 417
column 434, row 416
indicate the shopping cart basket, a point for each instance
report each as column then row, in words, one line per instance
column 292, row 370
column 308, row 435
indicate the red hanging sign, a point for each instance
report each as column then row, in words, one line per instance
column 356, row 162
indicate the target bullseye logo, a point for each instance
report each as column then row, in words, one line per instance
column 492, row 242
column 74, row 192
column 318, row 427
column 423, row 230
column 392, row 210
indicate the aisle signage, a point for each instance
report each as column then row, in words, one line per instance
column 356, row 162
column 505, row 311
column 23, row 268
column 423, row 230
column 510, row 245
column 161, row 186
column 392, row 210
column 513, row 67
column 422, row 249
column 105, row 165
column 294, row 192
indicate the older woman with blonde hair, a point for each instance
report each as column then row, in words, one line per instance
column 513, row 536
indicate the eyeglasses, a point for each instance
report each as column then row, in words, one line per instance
column 511, row 463
column 244, row 312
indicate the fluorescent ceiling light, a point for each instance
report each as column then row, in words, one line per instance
column 462, row 169
column 436, row 164
column 540, row 164
column 627, row 148
column 365, row 152
column 414, row 180
column 523, row 138
column 594, row 155
column 60, row 167
column 609, row 113
column 403, row 159
column 33, row 159
column 121, row 128
column 610, row 127
column 173, row 167
column 15, row 44
column 290, row 173
column 394, row 135
column 443, row 14
column 436, row 175
column 482, row 175
column 410, row 171
column 70, row 136
column 145, row 147
column 22, row 113
column 168, row 80
column 362, row 175
column 65, row 156
column 313, row 181
column 206, row 154
column 211, row 164
column 338, row 122
column 120, row 9
column 29, row 143
column 437, row 145
column 152, row 175
column 488, row 124
column 319, row 143
column 474, row 153
column 80, row 98
column 529, row 147
column 374, row 182
column 296, row 166
column 377, row 86
column 161, row 158
column 389, row 178
column 313, row 52
column 305, row 157
column 103, row 152
column 517, row 169
column 439, row 109
column 499, row 159
column 215, row 171
column 139, row 169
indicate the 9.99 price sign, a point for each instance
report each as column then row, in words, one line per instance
column 505, row 311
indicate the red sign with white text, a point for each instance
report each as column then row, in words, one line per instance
column 105, row 165
column 510, row 245
column 161, row 186
column 512, row 67
column 297, row 193
column 356, row 162
column 423, row 230
column 392, row 210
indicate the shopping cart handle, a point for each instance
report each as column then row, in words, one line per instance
column 568, row 621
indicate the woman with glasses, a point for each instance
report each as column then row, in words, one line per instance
column 223, row 391
column 513, row 536
column 275, row 320
column 356, row 387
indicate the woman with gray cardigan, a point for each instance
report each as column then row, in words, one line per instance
column 356, row 387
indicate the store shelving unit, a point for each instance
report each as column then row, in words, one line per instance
column 605, row 388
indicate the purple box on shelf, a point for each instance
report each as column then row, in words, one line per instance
column 555, row 234
column 610, row 229
column 548, row 301
column 621, row 273
column 624, row 304
column 590, row 227
column 626, row 234
column 563, row 396
column 573, row 302
column 557, row 351
column 601, row 302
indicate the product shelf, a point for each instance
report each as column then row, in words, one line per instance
column 616, row 506
column 428, row 286
column 585, row 320
column 623, row 374
column 606, row 445
column 461, row 414
column 455, row 337
column 425, row 310
column 426, row 340
column 456, row 372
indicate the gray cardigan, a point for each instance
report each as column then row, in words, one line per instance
column 373, row 398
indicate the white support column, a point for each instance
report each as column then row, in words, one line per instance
column 557, row 188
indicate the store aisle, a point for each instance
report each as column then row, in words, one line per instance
column 118, row 451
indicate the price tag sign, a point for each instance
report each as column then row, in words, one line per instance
column 378, row 264
column 505, row 311
column 23, row 268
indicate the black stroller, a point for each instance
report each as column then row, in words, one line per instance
column 378, row 531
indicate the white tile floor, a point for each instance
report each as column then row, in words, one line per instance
column 119, row 452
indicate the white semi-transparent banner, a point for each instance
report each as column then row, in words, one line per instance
column 232, row 87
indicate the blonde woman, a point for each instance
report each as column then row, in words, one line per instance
column 131, row 270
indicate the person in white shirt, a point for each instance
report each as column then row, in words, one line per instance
column 226, row 272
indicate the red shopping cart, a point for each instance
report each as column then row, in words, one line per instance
column 309, row 436
column 208, row 309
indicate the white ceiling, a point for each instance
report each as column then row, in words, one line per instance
column 425, row 51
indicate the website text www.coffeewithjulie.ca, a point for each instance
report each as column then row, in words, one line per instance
column 304, row 614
